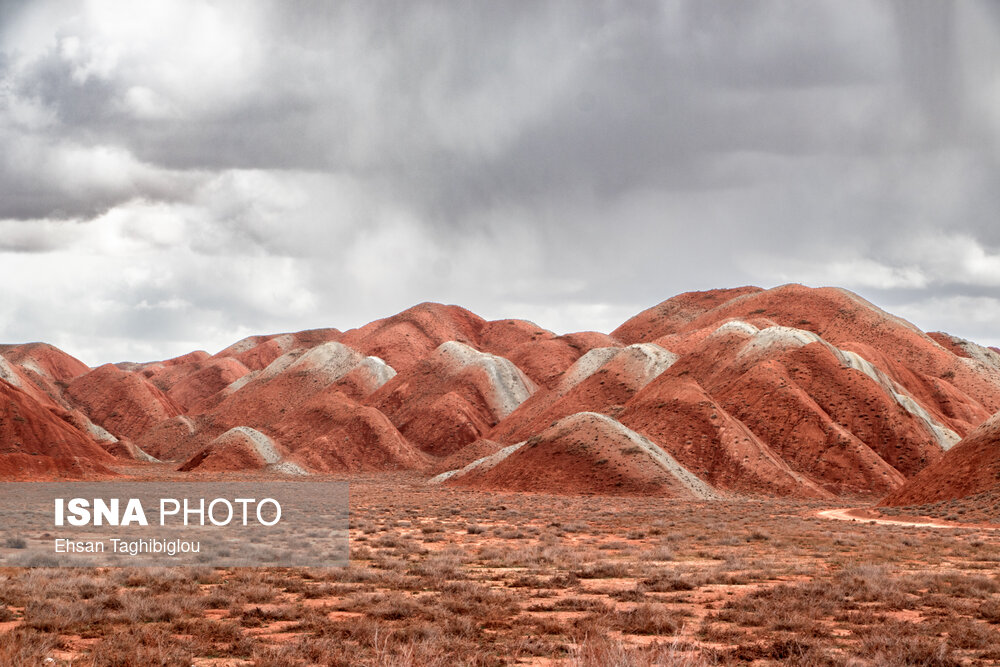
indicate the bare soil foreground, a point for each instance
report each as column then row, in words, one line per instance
column 874, row 516
column 446, row 576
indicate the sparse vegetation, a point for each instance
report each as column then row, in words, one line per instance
column 487, row 579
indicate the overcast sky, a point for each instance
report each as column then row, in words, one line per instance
column 177, row 175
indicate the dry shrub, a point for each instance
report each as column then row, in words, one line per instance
column 141, row 645
column 478, row 601
column 24, row 647
column 967, row 634
column 888, row 647
column 989, row 611
column 207, row 630
column 573, row 604
column 606, row 570
column 788, row 607
column 873, row 583
column 599, row 651
column 255, row 617
column 667, row 583
column 59, row 616
column 955, row 584
column 647, row 619
column 392, row 606
column 788, row 651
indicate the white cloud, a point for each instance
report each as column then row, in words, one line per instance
column 954, row 258
column 972, row 317
column 852, row 273
column 179, row 174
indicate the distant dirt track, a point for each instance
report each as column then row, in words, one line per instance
column 844, row 514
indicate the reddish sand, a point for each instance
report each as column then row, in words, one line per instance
column 970, row 467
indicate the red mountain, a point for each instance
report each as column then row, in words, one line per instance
column 790, row 391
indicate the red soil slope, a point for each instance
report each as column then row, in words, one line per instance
column 126, row 450
column 184, row 359
column 202, row 381
column 950, row 343
column 332, row 433
column 37, row 442
column 173, row 439
column 827, row 421
column 404, row 339
column 545, row 360
column 41, row 371
column 471, row 452
column 46, row 360
column 831, row 416
column 123, row 402
column 587, row 453
column 500, row 337
column 970, row 467
column 239, row 448
column 256, row 352
column 301, row 400
column 676, row 413
column 677, row 314
column 452, row 397
column 192, row 379
column 150, row 368
column 600, row 381
column 262, row 400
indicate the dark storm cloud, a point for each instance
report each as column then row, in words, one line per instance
column 569, row 161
